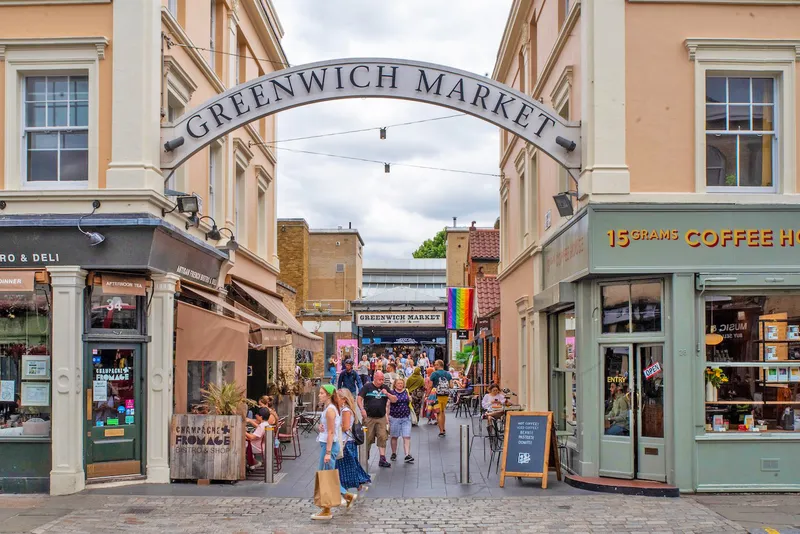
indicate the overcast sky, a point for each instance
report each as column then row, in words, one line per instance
column 394, row 212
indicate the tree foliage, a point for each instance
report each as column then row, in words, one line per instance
column 433, row 248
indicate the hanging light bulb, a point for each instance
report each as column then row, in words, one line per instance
column 383, row 133
column 387, row 168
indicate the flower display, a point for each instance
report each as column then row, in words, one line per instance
column 715, row 376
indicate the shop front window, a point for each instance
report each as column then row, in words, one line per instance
column 564, row 371
column 616, row 381
column 631, row 307
column 113, row 387
column 25, row 370
column 201, row 374
column 752, row 373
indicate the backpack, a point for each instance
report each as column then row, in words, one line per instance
column 443, row 387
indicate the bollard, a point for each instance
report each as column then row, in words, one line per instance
column 464, row 454
column 268, row 454
column 363, row 452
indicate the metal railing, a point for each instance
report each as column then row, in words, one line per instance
column 325, row 307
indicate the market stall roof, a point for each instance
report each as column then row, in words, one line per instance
column 271, row 334
column 301, row 338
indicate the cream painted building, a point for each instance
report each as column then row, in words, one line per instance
column 94, row 252
column 677, row 249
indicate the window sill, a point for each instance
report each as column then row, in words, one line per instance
column 737, row 190
column 56, row 186
column 750, row 436
column 25, row 439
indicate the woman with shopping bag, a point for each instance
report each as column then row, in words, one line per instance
column 328, row 492
column 351, row 474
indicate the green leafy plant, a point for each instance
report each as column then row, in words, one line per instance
column 433, row 248
column 462, row 356
column 228, row 399
column 730, row 179
column 306, row 370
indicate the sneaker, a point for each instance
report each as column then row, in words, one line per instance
column 384, row 463
column 394, row 456
column 441, row 434
column 257, row 465
column 350, row 498
column 323, row 515
column 409, row 459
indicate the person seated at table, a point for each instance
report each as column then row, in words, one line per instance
column 264, row 402
column 255, row 440
column 464, row 388
column 493, row 403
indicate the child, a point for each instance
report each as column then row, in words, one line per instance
column 432, row 407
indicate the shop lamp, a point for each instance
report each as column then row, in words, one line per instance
column 564, row 203
column 188, row 204
column 95, row 238
column 232, row 244
column 713, row 339
column 383, row 133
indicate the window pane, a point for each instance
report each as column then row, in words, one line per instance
column 74, row 140
column 739, row 118
column 117, row 312
column 763, row 90
column 115, row 368
column 57, row 88
column 35, row 115
column 715, row 89
column 35, row 89
column 646, row 307
column 617, row 397
column 42, row 141
column 716, row 117
column 763, row 119
column 202, row 373
column 739, row 89
column 79, row 88
column 74, row 165
column 57, row 114
column 755, row 160
column 615, row 301
column 79, row 114
column 720, row 160
column 42, row 165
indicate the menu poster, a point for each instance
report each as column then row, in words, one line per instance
column 35, row 367
column 35, row 394
column 100, row 390
column 7, row 388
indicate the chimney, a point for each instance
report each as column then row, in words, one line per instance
column 454, row 221
column 472, row 227
column 350, row 225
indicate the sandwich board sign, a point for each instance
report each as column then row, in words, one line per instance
column 530, row 447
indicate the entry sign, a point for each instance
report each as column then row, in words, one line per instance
column 462, row 334
column 652, row 371
column 529, row 444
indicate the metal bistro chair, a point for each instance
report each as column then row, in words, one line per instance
column 496, row 437
column 294, row 436
column 479, row 432
column 464, row 405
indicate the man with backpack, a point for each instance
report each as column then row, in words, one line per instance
column 349, row 379
column 441, row 381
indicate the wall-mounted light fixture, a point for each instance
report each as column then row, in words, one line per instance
column 387, row 168
column 383, row 133
column 95, row 238
column 564, row 203
column 232, row 244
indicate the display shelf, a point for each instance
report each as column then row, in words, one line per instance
column 752, row 402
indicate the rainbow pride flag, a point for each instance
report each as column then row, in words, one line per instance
column 460, row 308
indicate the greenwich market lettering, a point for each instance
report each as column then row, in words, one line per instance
column 361, row 77
column 400, row 318
column 365, row 77
column 710, row 238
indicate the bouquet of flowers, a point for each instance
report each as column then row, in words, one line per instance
column 716, row 376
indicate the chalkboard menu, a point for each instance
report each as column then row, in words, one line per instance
column 529, row 446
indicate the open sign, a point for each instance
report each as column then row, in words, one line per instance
column 652, row 371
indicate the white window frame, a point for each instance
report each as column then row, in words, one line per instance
column 749, row 58
column 215, row 178
column 560, row 97
column 49, row 57
column 262, row 210
column 522, row 200
column 212, row 41
column 533, row 192
column 172, row 7
column 505, row 260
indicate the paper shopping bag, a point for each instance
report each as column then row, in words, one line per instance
column 326, row 489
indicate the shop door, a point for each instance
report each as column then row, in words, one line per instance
column 632, row 443
column 114, row 410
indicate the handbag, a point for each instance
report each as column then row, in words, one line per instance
column 413, row 416
column 326, row 489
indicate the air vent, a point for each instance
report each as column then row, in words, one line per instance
column 340, row 267
column 770, row 464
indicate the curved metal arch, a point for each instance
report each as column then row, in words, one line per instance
column 335, row 79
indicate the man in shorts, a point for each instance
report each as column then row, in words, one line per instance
column 373, row 400
column 441, row 381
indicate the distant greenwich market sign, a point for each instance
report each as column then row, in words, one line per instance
column 400, row 319
column 472, row 94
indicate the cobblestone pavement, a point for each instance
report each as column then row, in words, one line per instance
column 185, row 515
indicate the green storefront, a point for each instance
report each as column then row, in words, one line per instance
column 674, row 343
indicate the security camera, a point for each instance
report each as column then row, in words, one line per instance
column 566, row 143
column 172, row 144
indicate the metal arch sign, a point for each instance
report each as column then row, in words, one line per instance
column 469, row 93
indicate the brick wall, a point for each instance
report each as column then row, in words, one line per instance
column 286, row 360
column 456, row 257
column 293, row 243
column 325, row 284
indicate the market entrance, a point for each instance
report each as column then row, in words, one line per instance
column 632, row 445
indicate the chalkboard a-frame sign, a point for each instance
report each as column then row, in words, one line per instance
column 528, row 447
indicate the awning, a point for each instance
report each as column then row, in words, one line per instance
column 301, row 338
column 267, row 334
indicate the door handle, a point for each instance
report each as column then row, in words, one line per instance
column 89, row 404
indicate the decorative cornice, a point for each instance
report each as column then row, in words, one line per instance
column 172, row 66
column 262, row 172
column 693, row 45
column 552, row 58
column 240, row 148
column 100, row 44
column 562, row 87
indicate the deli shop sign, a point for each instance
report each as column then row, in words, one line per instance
column 400, row 319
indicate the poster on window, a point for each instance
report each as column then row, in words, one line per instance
column 35, row 367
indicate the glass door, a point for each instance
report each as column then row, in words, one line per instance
column 651, row 460
column 617, row 443
column 114, row 410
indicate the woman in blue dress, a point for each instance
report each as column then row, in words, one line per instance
column 351, row 474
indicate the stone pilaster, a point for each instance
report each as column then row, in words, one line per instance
column 160, row 326
column 67, row 475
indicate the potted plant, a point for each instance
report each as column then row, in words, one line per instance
column 227, row 399
column 714, row 379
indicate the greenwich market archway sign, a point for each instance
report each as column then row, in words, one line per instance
column 474, row 95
